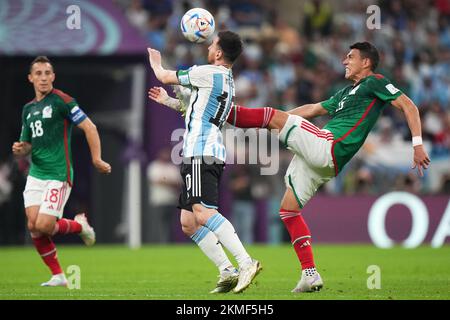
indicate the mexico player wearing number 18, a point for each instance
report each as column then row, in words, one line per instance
column 47, row 123
column 320, row 154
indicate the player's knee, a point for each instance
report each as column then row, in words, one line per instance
column 45, row 227
column 31, row 225
column 202, row 214
column 278, row 120
column 188, row 223
column 188, row 230
column 203, row 218
column 289, row 202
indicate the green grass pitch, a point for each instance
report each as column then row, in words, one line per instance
column 181, row 272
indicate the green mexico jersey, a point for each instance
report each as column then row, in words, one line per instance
column 47, row 125
column 354, row 111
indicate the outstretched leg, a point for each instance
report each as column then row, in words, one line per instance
column 267, row 117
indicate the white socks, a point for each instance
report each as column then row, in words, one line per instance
column 227, row 236
column 211, row 247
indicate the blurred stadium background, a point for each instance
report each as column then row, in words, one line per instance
column 293, row 53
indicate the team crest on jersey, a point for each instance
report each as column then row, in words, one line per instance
column 47, row 112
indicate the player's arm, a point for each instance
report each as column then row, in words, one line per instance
column 93, row 139
column 163, row 75
column 21, row 149
column 160, row 95
column 309, row 111
column 421, row 158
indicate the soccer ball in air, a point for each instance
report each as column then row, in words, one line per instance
column 197, row 25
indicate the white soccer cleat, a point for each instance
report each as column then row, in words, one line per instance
column 87, row 233
column 57, row 280
column 309, row 282
column 246, row 275
column 228, row 280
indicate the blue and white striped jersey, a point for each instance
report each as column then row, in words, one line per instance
column 209, row 106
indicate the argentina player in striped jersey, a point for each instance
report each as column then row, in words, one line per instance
column 204, row 159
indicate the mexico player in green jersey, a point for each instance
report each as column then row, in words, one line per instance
column 320, row 154
column 47, row 123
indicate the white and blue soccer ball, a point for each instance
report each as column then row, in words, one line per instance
column 197, row 25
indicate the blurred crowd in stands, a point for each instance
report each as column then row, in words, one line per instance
column 286, row 65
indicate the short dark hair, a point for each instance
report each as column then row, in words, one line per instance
column 368, row 51
column 40, row 59
column 231, row 45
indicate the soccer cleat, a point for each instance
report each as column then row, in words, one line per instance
column 87, row 233
column 247, row 274
column 57, row 280
column 228, row 280
column 309, row 282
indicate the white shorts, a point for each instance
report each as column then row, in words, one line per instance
column 50, row 195
column 312, row 164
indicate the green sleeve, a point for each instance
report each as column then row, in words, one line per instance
column 384, row 90
column 64, row 107
column 330, row 105
column 25, row 134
